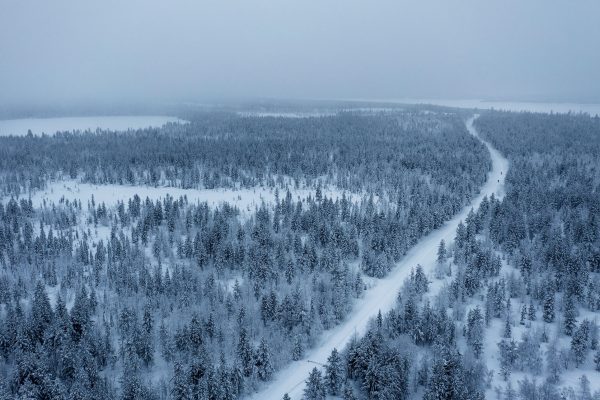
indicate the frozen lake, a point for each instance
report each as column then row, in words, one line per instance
column 19, row 127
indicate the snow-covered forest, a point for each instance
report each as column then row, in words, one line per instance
column 510, row 310
column 168, row 296
column 299, row 200
column 206, row 260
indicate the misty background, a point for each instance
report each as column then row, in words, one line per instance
column 70, row 52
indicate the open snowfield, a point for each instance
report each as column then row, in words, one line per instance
column 284, row 114
column 19, row 127
column 246, row 200
column 382, row 296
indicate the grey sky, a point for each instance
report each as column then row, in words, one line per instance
column 171, row 50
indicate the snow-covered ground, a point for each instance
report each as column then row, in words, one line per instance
column 19, row 127
column 246, row 200
column 569, row 378
column 284, row 114
column 382, row 296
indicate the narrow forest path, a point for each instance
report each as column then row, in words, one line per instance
column 382, row 296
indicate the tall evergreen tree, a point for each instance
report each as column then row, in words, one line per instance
column 549, row 306
column 569, row 316
column 264, row 367
column 334, row 373
column 315, row 388
column 475, row 331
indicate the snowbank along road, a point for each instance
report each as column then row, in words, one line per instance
column 382, row 296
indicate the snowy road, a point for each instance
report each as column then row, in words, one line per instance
column 381, row 296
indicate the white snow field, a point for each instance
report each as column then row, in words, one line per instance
column 382, row 296
column 284, row 114
column 19, row 127
column 246, row 200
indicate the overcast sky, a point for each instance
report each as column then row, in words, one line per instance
column 172, row 50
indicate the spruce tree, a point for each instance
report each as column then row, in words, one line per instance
column 507, row 327
column 41, row 313
column 334, row 373
column 297, row 348
column 420, row 282
column 569, row 316
column 475, row 331
column 549, row 306
column 447, row 378
column 244, row 353
column 264, row 366
column 315, row 389
column 180, row 389
column 441, row 253
column 579, row 343
column 531, row 312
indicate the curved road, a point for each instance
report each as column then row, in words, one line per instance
column 382, row 296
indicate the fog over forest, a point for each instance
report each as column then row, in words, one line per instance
column 154, row 51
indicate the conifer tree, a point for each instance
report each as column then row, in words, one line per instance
column 334, row 373
column 244, row 353
column 315, row 389
column 264, row 366
column 569, row 316
column 549, row 306
column 475, row 331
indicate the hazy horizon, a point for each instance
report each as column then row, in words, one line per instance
column 65, row 53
